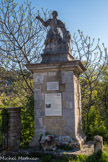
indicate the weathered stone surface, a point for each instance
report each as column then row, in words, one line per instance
column 67, row 131
column 54, row 48
column 67, row 74
column 69, row 80
column 61, row 140
column 69, row 124
column 75, row 66
column 38, row 96
column 68, row 113
column 39, row 78
column 63, row 104
column 54, row 125
column 37, row 90
column 67, row 77
column 69, row 87
column 54, row 121
column 55, row 130
column 59, row 57
column 53, row 78
column 33, row 142
column 98, row 143
column 69, row 104
column 14, row 127
column 38, row 104
column 39, row 122
column 39, row 113
column 69, row 96
column 62, row 87
column 52, row 74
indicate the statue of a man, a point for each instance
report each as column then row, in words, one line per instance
column 53, row 34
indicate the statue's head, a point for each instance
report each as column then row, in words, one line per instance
column 54, row 14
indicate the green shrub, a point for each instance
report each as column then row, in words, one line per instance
column 46, row 158
column 27, row 121
column 100, row 156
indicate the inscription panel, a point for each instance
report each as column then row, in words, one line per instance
column 52, row 86
column 53, row 106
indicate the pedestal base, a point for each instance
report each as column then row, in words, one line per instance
column 52, row 142
column 54, row 58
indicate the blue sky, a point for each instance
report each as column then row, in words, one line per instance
column 90, row 16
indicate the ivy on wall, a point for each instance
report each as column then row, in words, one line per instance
column 5, row 120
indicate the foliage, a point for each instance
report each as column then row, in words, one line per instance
column 0, row 128
column 100, row 156
column 94, row 82
column 95, row 120
column 21, row 37
column 27, row 118
column 46, row 158
column 13, row 90
column 5, row 119
column 66, row 147
column 16, row 95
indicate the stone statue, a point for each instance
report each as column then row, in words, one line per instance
column 57, row 33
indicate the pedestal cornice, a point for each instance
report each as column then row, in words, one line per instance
column 74, row 65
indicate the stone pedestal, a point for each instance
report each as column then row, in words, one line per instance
column 54, row 58
column 60, row 116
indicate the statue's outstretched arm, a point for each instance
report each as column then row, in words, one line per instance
column 45, row 23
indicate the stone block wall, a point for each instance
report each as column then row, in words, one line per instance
column 14, row 127
column 69, row 123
